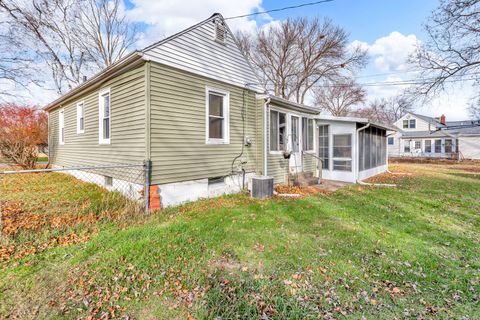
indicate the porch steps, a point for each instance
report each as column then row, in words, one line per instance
column 303, row 179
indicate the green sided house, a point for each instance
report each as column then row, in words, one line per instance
column 191, row 104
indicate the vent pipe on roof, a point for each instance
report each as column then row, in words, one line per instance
column 84, row 79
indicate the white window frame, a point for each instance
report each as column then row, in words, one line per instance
column 226, row 116
column 414, row 124
column 101, row 110
column 313, row 134
column 342, row 158
column 80, row 107
column 286, row 134
column 61, row 126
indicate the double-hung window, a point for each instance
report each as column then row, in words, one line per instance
column 61, row 126
column 409, row 124
column 428, row 146
column 104, row 112
column 80, row 117
column 217, row 120
column 342, row 152
column 391, row 141
column 278, row 127
column 448, row 145
column 418, row 145
column 438, row 146
column 307, row 134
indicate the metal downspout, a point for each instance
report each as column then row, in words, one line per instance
column 265, row 140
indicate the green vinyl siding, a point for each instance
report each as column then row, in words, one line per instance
column 178, row 122
column 127, row 137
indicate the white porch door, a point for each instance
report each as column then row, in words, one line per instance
column 295, row 159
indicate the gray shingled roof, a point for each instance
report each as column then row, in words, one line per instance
column 425, row 134
column 464, row 131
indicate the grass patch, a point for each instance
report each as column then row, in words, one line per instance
column 405, row 252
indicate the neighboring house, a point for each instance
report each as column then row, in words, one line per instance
column 422, row 136
column 191, row 104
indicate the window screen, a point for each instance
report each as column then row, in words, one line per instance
column 342, row 146
column 372, row 148
column 323, row 145
column 342, row 152
column 307, row 134
column 277, row 130
column 215, row 116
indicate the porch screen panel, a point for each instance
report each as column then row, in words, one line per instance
column 372, row 148
column 323, row 146
column 367, row 154
column 361, row 149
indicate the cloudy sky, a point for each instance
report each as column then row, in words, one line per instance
column 389, row 29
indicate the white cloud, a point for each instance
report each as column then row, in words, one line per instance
column 390, row 53
column 166, row 17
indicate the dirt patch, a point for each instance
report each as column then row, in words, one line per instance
column 422, row 160
column 301, row 191
column 389, row 178
column 473, row 169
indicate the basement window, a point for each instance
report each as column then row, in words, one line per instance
column 108, row 181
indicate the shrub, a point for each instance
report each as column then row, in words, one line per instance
column 23, row 129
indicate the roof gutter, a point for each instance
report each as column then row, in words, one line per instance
column 101, row 76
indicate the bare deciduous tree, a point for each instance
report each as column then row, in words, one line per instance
column 338, row 98
column 474, row 109
column 452, row 50
column 15, row 64
column 294, row 56
column 73, row 37
column 104, row 33
column 386, row 110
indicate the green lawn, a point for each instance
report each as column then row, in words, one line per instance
column 378, row 253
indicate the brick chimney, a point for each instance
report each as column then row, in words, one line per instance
column 443, row 119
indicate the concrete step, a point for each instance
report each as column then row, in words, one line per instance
column 303, row 179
